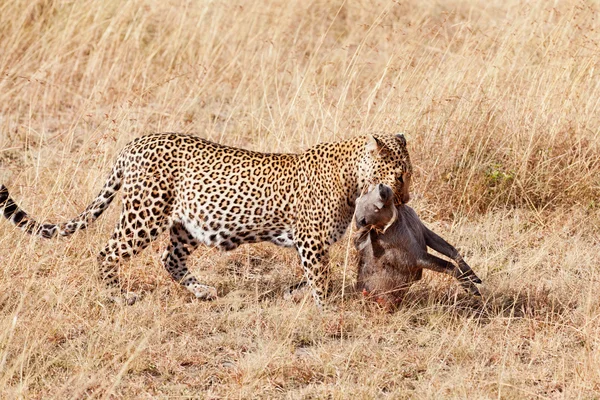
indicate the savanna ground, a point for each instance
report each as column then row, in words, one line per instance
column 500, row 104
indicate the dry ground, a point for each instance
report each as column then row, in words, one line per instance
column 499, row 101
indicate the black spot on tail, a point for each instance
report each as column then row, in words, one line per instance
column 18, row 217
column 3, row 195
column 9, row 205
column 10, row 208
column 47, row 231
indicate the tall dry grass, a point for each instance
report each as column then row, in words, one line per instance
column 499, row 102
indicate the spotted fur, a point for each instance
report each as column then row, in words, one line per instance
column 206, row 193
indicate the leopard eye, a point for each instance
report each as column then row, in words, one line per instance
column 400, row 179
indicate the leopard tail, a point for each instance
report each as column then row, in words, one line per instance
column 21, row 219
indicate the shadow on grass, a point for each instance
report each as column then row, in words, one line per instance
column 528, row 302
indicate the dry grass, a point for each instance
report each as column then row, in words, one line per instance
column 500, row 102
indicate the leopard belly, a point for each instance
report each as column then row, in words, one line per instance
column 214, row 233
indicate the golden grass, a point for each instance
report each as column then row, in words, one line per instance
column 499, row 101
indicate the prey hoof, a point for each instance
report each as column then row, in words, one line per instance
column 471, row 288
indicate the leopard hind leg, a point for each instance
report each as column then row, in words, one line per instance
column 175, row 258
column 133, row 233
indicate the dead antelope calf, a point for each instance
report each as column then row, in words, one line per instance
column 392, row 244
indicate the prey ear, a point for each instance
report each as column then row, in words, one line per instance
column 374, row 145
column 385, row 193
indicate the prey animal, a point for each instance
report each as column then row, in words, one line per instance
column 392, row 245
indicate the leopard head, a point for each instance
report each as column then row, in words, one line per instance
column 386, row 161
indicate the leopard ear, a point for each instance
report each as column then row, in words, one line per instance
column 374, row 145
column 400, row 136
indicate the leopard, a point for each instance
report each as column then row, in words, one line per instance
column 206, row 193
column 392, row 247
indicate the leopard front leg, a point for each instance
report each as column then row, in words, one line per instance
column 315, row 262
